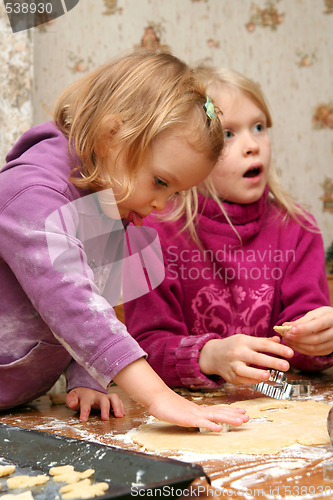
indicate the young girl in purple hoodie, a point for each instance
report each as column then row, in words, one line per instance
column 125, row 139
column 249, row 260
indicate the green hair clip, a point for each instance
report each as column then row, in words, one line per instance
column 210, row 110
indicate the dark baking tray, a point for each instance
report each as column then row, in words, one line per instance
column 34, row 452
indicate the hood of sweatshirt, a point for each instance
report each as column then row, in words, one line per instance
column 39, row 157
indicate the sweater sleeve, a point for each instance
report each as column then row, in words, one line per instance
column 77, row 376
column 304, row 288
column 157, row 322
column 69, row 303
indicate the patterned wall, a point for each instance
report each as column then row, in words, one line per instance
column 16, row 83
column 285, row 45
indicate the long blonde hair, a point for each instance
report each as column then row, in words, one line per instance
column 125, row 104
column 216, row 80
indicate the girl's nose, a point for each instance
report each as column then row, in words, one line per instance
column 250, row 145
column 159, row 203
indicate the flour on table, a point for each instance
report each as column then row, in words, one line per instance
column 273, row 425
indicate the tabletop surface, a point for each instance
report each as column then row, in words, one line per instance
column 232, row 476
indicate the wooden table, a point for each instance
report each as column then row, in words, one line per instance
column 261, row 477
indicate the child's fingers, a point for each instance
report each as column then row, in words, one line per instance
column 307, row 340
column 84, row 401
column 232, row 416
column 275, row 339
column 258, row 356
column 258, row 346
column 269, row 362
column 313, row 345
column 310, row 327
column 104, row 406
column 117, row 405
column 227, row 413
column 250, row 375
column 84, row 411
column 304, row 328
column 72, row 401
column 314, row 321
column 252, row 363
column 76, row 403
column 185, row 413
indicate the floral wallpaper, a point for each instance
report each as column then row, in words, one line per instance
column 284, row 45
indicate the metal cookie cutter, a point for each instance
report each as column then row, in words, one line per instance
column 297, row 388
column 272, row 390
column 278, row 388
column 276, row 376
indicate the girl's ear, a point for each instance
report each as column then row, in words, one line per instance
column 109, row 127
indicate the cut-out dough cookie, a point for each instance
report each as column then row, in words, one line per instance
column 273, row 425
column 73, row 476
column 26, row 495
column 83, row 489
column 16, row 482
column 61, row 469
column 282, row 329
column 70, row 487
column 6, row 470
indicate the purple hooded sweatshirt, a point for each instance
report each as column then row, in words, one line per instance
column 50, row 319
column 272, row 271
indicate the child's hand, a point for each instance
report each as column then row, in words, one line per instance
column 175, row 409
column 143, row 385
column 235, row 358
column 84, row 399
column 313, row 333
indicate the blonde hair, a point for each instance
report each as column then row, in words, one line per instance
column 125, row 104
column 217, row 79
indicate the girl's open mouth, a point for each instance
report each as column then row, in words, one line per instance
column 253, row 172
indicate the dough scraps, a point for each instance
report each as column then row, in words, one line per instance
column 61, row 469
column 7, row 470
column 83, row 489
column 273, row 425
column 78, row 483
column 282, row 329
column 26, row 481
column 26, row 495
column 73, row 476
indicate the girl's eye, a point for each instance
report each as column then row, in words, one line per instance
column 228, row 134
column 259, row 127
column 160, row 182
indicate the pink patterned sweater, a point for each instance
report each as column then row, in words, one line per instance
column 276, row 273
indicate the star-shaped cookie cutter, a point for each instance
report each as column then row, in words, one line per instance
column 278, row 387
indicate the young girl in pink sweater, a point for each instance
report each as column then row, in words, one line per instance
column 125, row 138
column 256, row 260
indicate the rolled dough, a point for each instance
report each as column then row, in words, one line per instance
column 273, row 425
